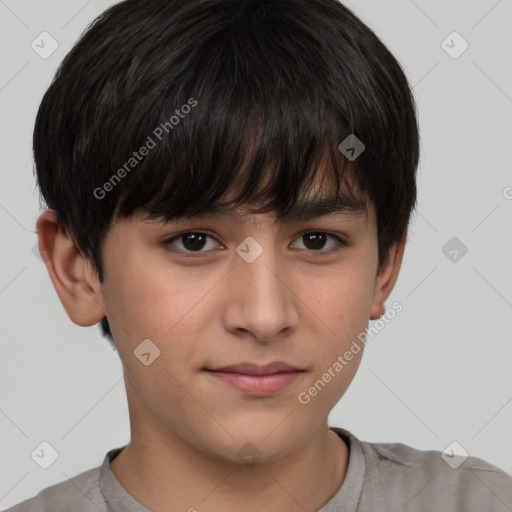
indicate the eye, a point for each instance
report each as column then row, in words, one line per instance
column 192, row 243
column 315, row 241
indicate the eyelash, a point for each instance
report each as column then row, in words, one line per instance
column 199, row 254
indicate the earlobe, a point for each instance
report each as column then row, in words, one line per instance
column 386, row 278
column 71, row 273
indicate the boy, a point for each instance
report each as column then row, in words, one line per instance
column 279, row 137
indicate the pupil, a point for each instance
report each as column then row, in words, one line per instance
column 193, row 241
column 318, row 240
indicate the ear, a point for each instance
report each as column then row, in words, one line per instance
column 72, row 274
column 386, row 278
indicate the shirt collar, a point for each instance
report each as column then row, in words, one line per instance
column 346, row 498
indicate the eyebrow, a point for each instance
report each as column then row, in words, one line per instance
column 303, row 210
column 308, row 209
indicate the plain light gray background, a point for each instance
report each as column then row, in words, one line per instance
column 438, row 373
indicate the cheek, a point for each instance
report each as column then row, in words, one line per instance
column 343, row 303
column 172, row 309
column 344, row 300
column 155, row 300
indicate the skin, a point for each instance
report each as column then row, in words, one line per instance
column 293, row 304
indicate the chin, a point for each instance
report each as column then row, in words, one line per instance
column 253, row 444
column 247, row 453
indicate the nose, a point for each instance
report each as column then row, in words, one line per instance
column 261, row 301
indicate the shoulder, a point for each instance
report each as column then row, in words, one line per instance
column 395, row 476
column 80, row 493
column 429, row 477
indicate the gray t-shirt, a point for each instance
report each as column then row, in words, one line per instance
column 380, row 477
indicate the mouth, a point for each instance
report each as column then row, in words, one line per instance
column 256, row 380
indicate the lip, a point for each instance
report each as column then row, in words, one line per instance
column 256, row 369
column 256, row 380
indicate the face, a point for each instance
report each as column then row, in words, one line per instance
column 187, row 298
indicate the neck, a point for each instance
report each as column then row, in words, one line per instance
column 165, row 472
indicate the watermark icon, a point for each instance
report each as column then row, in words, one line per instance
column 44, row 45
column 454, row 249
column 146, row 352
column 249, row 249
column 351, row 147
column 304, row 397
column 144, row 150
column 249, row 454
column 44, row 455
column 454, row 454
column 36, row 252
column 454, row 45
column 507, row 193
